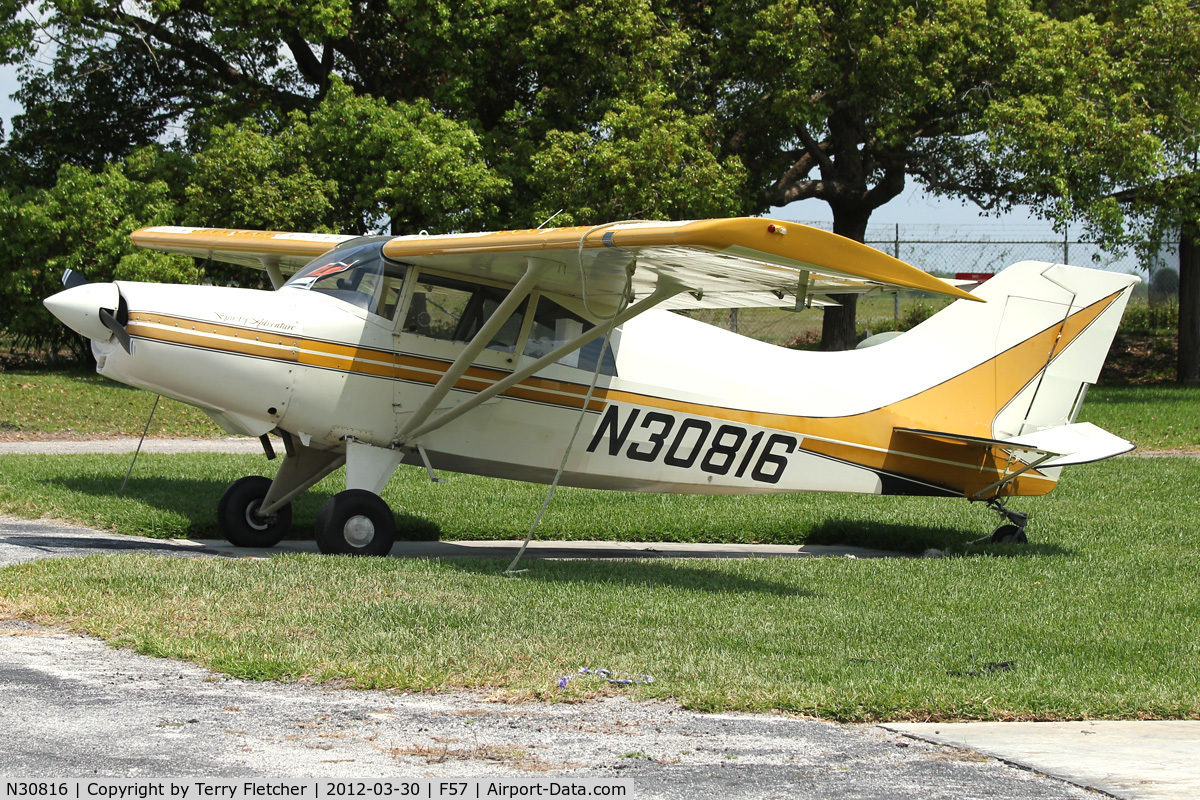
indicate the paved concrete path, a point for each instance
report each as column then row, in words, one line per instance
column 129, row 444
column 80, row 708
column 1149, row 760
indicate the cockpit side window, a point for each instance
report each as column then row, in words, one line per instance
column 359, row 275
column 554, row 325
column 454, row 310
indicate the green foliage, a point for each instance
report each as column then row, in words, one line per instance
column 356, row 164
column 1163, row 286
column 245, row 178
column 82, row 223
column 351, row 116
column 1151, row 320
column 643, row 162
column 403, row 162
column 914, row 314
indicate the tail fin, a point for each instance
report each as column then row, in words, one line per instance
column 1043, row 336
column 1020, row 365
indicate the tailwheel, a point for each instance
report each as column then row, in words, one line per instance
column 357, row 523
column 238, row 518
column 1009, row 533
column 1012, row 529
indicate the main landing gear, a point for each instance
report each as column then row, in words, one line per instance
column 257, row 512
column 1012, row 526
column 356, row 523
column 239, row 517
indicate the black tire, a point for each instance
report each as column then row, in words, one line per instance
column 1009, row 533
column 235, row 515
column 355, row 523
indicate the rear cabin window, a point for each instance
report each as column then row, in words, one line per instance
column 554, row 325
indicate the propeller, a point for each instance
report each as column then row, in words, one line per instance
column 71, row 279
column 117, row 323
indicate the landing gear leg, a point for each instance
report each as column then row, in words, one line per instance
column 257, row 512
column 1012, row 527
column 357, row 522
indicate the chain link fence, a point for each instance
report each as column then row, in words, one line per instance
column 943, row 250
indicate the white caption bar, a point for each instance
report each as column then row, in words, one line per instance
column 231, row 789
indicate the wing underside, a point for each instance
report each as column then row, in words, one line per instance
column 721, row 263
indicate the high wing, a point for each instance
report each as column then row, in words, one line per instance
column 290, row 251
column 720, row 263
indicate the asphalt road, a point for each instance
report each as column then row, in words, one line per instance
column 74, row 707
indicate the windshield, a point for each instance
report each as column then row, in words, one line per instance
column 359, row 275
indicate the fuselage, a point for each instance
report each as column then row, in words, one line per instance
column 678, row 406
column 325, row 370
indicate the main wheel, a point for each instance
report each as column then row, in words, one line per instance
column 1009, row 533
column 356, row 523
column 239, row 522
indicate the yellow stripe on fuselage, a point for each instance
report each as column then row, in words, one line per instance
column 965, row 404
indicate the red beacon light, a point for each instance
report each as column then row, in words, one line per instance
column 773, row 228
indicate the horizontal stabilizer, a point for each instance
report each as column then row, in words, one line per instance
column 1060, row 446
column 1077, row 443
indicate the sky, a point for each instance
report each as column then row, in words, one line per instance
column 917, row 207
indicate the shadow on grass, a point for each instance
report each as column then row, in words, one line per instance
column 646, row 573
column 919, row 538
column 196, row 501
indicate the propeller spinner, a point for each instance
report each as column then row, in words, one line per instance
column 95, row 310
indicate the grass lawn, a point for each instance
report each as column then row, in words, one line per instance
column 1098, row 617
column 1162, row 417
column 78, row 402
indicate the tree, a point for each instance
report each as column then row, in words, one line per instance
column 612, row 109
column 642, row 162
column 1162, row 203
column 511, row 70
column 355, row 165
column 988, row 100
column 83, row 223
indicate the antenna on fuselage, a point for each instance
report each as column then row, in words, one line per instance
column 552, row 216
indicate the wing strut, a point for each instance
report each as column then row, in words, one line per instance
column 533, row 271
column 271, row 265
column 663, row 291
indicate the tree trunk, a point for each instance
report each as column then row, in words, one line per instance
column 1188, row 366
column 838, row 329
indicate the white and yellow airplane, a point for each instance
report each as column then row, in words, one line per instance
column 546, row 355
